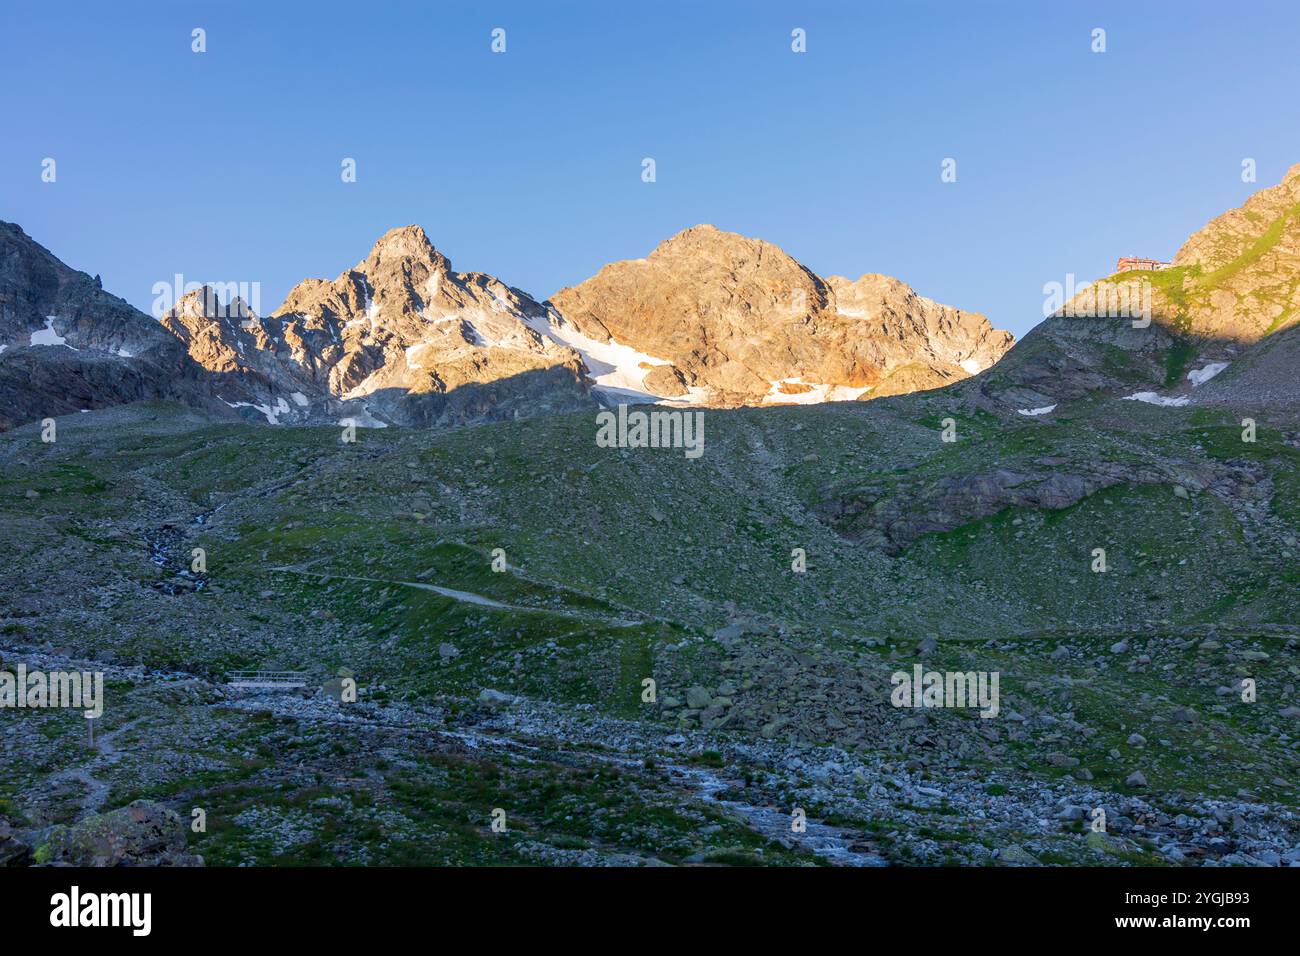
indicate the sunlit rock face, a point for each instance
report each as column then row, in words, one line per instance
column 738, row 321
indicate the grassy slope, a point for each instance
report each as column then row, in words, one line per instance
column 597, row 539
column 607, row 537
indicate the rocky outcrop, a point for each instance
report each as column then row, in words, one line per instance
column 400, row 338
column 891, row 518
column 919, row 343
column 227, row 339
column 66, row 345
column 743, row 322
column 1240, row 272
column 1231, row 291
column 1264, row 377
column 1066, row 358
column 142, row 833
column 13, row 851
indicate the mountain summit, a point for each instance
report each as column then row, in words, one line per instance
column 726, row 319
column 707, row 318
column 400, row 338
column 710, row 318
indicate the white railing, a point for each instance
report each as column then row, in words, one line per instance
column 267, row 680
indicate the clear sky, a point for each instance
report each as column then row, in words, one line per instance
column 225, row 166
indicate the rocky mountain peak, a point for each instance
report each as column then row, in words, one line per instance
column 207, row 303
column 404, row 247
column 706, row 235
column 398, row 338
column 1266, row 227
column 730, row 319
column 718, row 247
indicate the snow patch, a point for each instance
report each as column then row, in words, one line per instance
column 47, row 335
column 363, row 419
column 1199, row 376
column 815, row 393
column 1154, row 398
column 411, row 350
column 501, row 329
column 266, row 410
column 618, row 371
column 370, row 308
column 972, row 367
column 300, row 399
column 1036, row 411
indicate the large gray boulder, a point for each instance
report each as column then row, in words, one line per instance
column 143, row 833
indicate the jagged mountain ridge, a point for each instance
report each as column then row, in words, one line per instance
column 708, row 318
column 66, row 345
column 400, row 338
column 730, row 320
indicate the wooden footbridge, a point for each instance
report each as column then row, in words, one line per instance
column 267, row 680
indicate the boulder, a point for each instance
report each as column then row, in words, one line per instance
column 143, row 833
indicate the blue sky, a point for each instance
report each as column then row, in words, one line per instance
column 225, row 166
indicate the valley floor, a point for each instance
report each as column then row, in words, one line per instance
column 518, row 696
